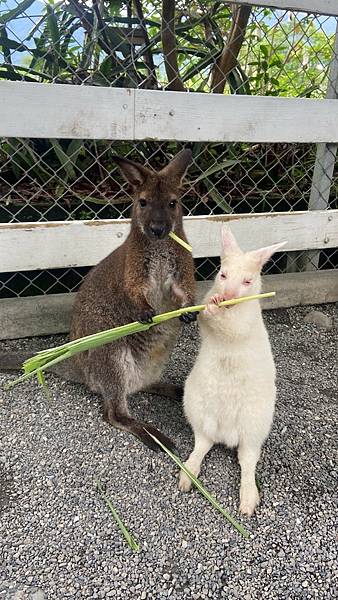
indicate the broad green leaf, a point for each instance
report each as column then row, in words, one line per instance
column 74, row 148
column 264, row 50
column 199, row 66
column 53, row 26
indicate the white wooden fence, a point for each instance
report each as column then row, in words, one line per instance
column 63, row 111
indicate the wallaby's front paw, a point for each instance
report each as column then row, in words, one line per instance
column 216, row 299
column 188, row 317
column 185, row 483
column 146, row 316
column 212, row 305
column 249, row 500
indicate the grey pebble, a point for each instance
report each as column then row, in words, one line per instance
column 320, row 319
column 39, row 595
column 59, row 541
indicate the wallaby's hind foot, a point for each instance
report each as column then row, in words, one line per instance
column 122, row 420
column 249, row 500
column 171, row 390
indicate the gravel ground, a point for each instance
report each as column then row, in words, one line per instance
column 59, row 541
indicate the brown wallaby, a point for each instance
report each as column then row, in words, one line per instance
column 148, row 274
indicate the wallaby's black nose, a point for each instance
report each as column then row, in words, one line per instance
column 157, row 230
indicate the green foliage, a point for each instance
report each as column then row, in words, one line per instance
column 72, row 42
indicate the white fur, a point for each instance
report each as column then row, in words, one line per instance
column 230, row 393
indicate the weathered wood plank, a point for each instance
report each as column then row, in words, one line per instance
column 33, row 316
column 221, row 118
column 46, row 315
column 36, row 110
column 324, row 7
column 84, row 243
column 85, row 112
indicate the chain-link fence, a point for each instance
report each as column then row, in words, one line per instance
column 211, row 47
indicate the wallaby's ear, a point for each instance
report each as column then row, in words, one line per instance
column 229, row 242
column 262, row 255
column 178, row 165
column 133, row 172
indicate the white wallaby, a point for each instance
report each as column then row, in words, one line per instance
column 229, row 396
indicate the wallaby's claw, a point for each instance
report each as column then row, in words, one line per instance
column 147, row 316
column 216, row 299
column 188, row 317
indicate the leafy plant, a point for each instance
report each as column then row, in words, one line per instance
column 124, row 43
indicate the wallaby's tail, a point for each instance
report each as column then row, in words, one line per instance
column 140, row 430
column 12, row 361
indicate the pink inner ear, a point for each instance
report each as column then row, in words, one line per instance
column 262, row 255
column 229, row 242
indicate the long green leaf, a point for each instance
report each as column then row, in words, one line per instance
column 53, row 27
column 201, row 488
column 47, row 358
column 6, row 48
column 10, row 72
column 5, row 42
column 179, row 241
column 130, row 540
column 64, row 159
column 219, row 167
column 217, row 197
column 199, row 66
column 15, row 12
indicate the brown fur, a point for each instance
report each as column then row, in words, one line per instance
column 144, row 276
column 148, row 274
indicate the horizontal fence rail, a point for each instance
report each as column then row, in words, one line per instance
column 45, row 315
column 323, row 7
column 51, row 245
column 81, row 112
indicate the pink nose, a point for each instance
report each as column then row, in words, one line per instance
column 230, row 294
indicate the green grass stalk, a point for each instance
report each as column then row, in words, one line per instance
column 128, row 537
column 47, row 358
column 179, row 241
column 202, row 489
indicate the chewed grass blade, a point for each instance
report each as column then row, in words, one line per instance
column 47, row 358
column 180, row 241
column 202, row 489
column 128, row 537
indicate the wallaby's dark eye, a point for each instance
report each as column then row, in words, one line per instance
column 143, row 202
column 172, row 204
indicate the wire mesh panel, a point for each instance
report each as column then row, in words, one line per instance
column 210, row 47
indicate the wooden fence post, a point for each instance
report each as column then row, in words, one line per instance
column 322, row 175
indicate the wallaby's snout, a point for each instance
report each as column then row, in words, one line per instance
column 157, row 230
column 160, row 215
